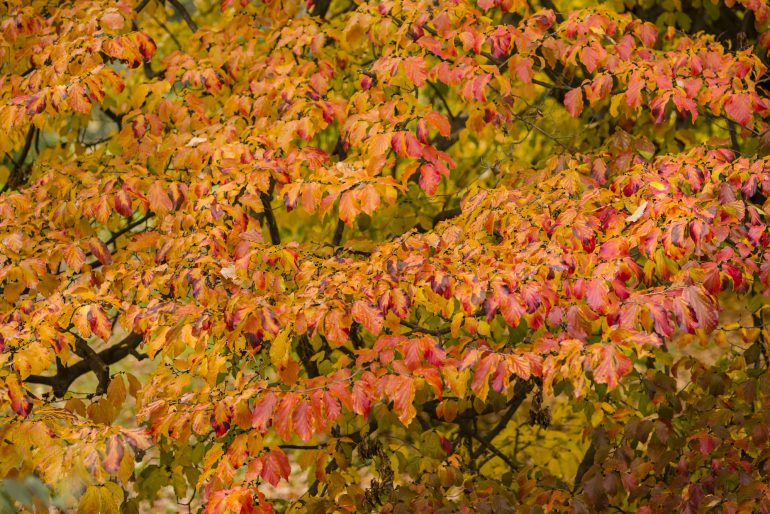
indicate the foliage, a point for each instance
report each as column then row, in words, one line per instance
column 406, row 256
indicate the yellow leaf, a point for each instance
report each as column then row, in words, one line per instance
column 116, row 391
column 279, row 349
column 91, row 501
column 32, row 360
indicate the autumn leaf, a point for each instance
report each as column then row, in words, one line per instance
column 366, row 314
column 275, row 466
column 573, row 101
column 739, row 108
column 610, row 365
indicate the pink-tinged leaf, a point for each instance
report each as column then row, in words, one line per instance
column 416, row 70
column 706, row 443
column 20, row 400
column 275, row 466
column 282, row 420
column 684, row 103
column 112, row 20
column 413, row 146
column 519, row 365
column 114, row 454
column 647, row 33
column 304, row 422
column 439, row 122
column 337, row 327
column 100, row 251
column 402, row 394
column 573, row 101
column 263, row 411
column 614, row 248
column 348, row 210
column 398, row 143
column 523, row 69
column 739, row 107
column 430, row 178
column 369, row 316
column 145, row 44
column 597, row 295
column 480, row 384
column 658, row 107
column 610, row 365
column 36, row 103
column 332, row 407
column 100, row 324
column 634, row 90
column 422, row 131
column 123, row 203
column 361, row 398
column 704, row 306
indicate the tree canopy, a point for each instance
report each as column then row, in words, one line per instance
column 398, row 256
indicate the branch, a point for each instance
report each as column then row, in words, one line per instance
column 141, row 6
column 272, row 225
column 433, row 332
column 18, row 167
column 320, row 8
column 97, row 365
column 520, row 392
column 337, row 239
column 129, row 227
column 184, row 14
column 66, row 375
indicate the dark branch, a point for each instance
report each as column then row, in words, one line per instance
column 66, row 375
column 184, row 14
column 141, row 6
column 272, row 225
column 337, row 239
column 520, row 392
column 97, row 365
column 16, row 177
column 129, row 227
column 433, row 332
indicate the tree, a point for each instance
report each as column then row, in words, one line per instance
column 407, row 256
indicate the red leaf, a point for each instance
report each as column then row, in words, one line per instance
column 658, row 107
column 597, row 295
column 366, row 314
column 100, row 251
column 704, row 306
column 20, row 400
column 611, row 365
column 337, row 327
column 739, row 108
column 275, row 466
column 439, row 122
column 100, row 324
column 416, row 70
column 573, row 101
column 362, row 400
column 304, row 422
column 430, row 178
column 123, row 203
column 263, row 411
column 401, row 390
